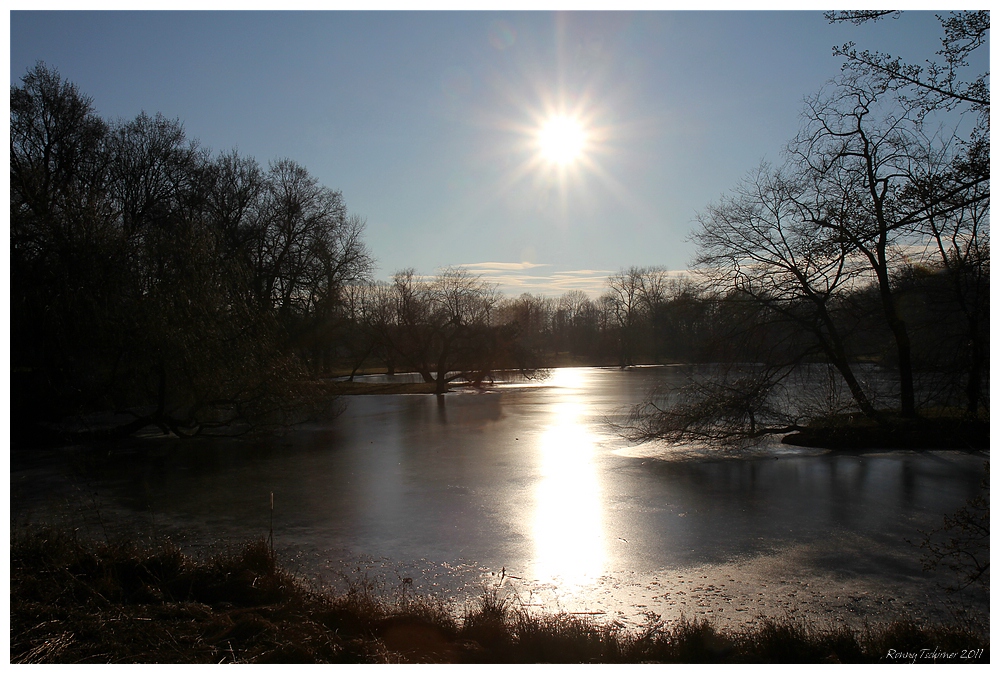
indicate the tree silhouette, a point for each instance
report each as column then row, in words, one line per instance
column 153, row 281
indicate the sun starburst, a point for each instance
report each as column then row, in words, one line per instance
column 562, row 139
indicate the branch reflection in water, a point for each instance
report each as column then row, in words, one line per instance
column 568, row 531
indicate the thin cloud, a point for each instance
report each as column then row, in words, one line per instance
column 604, row 273
column 516, row 278
column 503, row 266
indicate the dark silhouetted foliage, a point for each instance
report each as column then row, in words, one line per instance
column 154, row 282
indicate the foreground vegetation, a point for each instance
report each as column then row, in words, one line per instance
column 73, row 601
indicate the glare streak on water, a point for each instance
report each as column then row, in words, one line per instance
column 569, row 532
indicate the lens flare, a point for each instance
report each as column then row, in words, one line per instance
column 502, row 35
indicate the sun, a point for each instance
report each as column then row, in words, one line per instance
column 561, row 140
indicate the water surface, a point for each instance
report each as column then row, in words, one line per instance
column 531, row 480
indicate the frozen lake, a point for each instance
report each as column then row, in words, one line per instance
column 530, row 479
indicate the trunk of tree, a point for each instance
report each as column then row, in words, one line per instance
column 360, row 361
column 441, row 385
column 858, row 393
column 907, row 402
column 973, row 387
column 834, row 347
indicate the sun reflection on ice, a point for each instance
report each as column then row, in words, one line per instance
column 569, row 532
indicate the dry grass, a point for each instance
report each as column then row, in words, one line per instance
column 74, row 601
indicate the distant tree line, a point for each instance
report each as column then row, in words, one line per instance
column 458, row 325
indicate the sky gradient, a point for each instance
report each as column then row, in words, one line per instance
column 426, row 121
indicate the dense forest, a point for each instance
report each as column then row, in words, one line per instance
column 156, row 281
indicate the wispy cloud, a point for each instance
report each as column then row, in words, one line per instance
column 502, row 266
column 515, row 278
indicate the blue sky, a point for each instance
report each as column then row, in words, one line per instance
column 427, row 121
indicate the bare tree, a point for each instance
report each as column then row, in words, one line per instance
column 763, row 245
column 631, row 297
column 575, row 304
column 936, row 84
column 800, row 243
column 61, row 235
column 729, row 406
column 532, row 316
column 956, row 177
column 654, row 285
column 443, row 326
column 625, row 301
column 575, row 324
column 859, row 156
column 957, row 223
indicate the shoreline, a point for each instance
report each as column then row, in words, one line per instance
column 75, row 601
column 937, row 430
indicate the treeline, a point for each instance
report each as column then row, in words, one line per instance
column 153, row 278
column 647, row 316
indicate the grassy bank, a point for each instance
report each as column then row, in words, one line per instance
column 74, row 601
